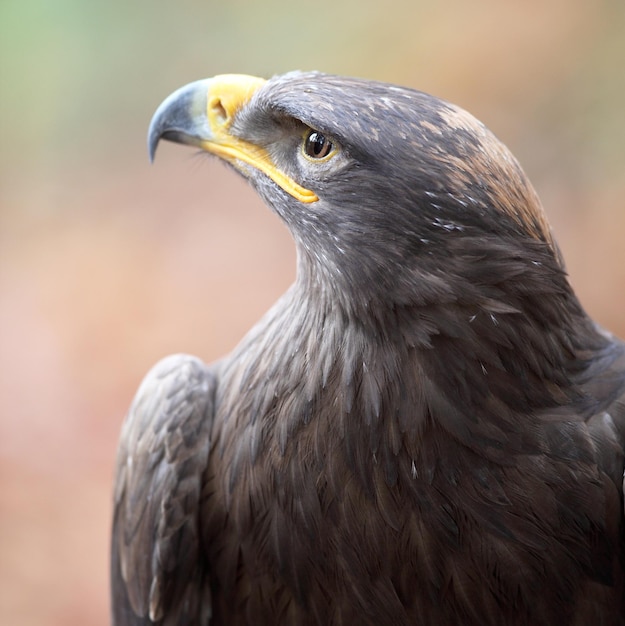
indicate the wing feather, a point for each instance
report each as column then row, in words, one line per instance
column 157, row 570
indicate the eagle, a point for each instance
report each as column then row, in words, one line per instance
column 426, row 428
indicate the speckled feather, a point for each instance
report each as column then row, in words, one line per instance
column 425, row 429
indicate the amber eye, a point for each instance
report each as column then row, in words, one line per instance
column 316, row 146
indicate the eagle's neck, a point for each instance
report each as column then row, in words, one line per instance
column 475, row 351
column 502, row 348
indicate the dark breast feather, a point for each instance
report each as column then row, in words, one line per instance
column 499, row 501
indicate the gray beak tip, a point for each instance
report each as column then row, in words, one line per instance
column 181, row 117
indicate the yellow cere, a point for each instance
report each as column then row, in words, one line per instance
column 227, row 94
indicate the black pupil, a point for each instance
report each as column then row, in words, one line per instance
column 317, row 146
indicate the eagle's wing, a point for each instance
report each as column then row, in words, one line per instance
column 157, row 573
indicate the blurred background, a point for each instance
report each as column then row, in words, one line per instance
column 108, row 263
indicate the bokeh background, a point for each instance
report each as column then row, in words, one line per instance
column 108, row 263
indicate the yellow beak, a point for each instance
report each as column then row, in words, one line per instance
column 201, row 114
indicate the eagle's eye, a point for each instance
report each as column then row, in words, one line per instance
column 316, row 145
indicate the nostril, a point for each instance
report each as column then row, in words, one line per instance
column 220, row 115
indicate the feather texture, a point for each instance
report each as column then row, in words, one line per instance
column 158, row 575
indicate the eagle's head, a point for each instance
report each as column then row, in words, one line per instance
column 391, row 194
